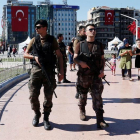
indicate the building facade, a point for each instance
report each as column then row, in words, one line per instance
column 44, row 10
column 64, row 21
column 61, row 19
column 12, row 37
column 119, row 28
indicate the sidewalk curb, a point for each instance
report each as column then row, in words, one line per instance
column 7, row 84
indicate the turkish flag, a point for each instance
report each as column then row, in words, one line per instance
column 19, row 18
column 139, row 32
column 109, row 17
column 132, row 28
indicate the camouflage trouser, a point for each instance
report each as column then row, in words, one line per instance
column 96, row 88
column 37, row 79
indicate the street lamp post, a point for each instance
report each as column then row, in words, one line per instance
column 51, row 25
column 136, row 24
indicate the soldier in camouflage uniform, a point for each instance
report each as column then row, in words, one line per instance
column 63, row 51
column 87, row 79
column 49, row 48
column 80, row 37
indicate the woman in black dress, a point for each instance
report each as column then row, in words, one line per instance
column 137, row 60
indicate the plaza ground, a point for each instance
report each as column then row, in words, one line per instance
column 121, row 105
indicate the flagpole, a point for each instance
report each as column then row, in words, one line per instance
column 136, row 24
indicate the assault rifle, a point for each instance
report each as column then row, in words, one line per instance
column 40, row 59
column 92, row 65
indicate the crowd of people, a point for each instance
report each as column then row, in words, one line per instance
column 11, row 50
column 124, row 55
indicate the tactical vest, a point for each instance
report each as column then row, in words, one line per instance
column 46, row 51
column 81, row 38
column 94, row 56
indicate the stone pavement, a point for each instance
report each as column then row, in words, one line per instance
column 121, row 104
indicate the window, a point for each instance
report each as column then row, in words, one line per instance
column 117, row 19
column 116, row 24
column 116, row 13
column 8, row 10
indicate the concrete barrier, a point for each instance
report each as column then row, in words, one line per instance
column 10, row 82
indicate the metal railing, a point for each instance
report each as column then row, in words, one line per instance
column 12, row 72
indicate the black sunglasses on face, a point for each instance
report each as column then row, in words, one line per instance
column 92, row 29
column 38, row 27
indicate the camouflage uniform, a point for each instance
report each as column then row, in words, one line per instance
column 87, row 80
column 96, row 89
column 38, row 79
column 76, row 41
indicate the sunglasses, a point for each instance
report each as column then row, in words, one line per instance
column 92, row 29
column 38, row 27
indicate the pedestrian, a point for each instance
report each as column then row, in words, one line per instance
column 24, row 48
column 80, row 37
column 136, row 52
column 2, row 49
column 41, row 51
column 125, row 61
column 14, row 50
column 92, row 52
column 71, row 54
column 62, row 48
column 122, row 46
column 113, row 64
column 9, row 50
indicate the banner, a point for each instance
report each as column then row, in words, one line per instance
column 109, row 17
column 19, row 15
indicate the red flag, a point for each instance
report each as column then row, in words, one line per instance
column 109, row 17
column 132, row 28
column 138, row 32
column 19, row 18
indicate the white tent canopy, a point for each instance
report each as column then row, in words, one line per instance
column 25, row 43
column 115, row 41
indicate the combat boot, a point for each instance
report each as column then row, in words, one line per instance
column 77, row 95
column 82, row 115
column 66, row 81
column 35, row 121
column 47, row 125
column 100, row 121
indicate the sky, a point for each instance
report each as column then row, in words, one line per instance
column 85, row 5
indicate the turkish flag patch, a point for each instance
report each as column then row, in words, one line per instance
column 19, row 18
column 109, row 17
